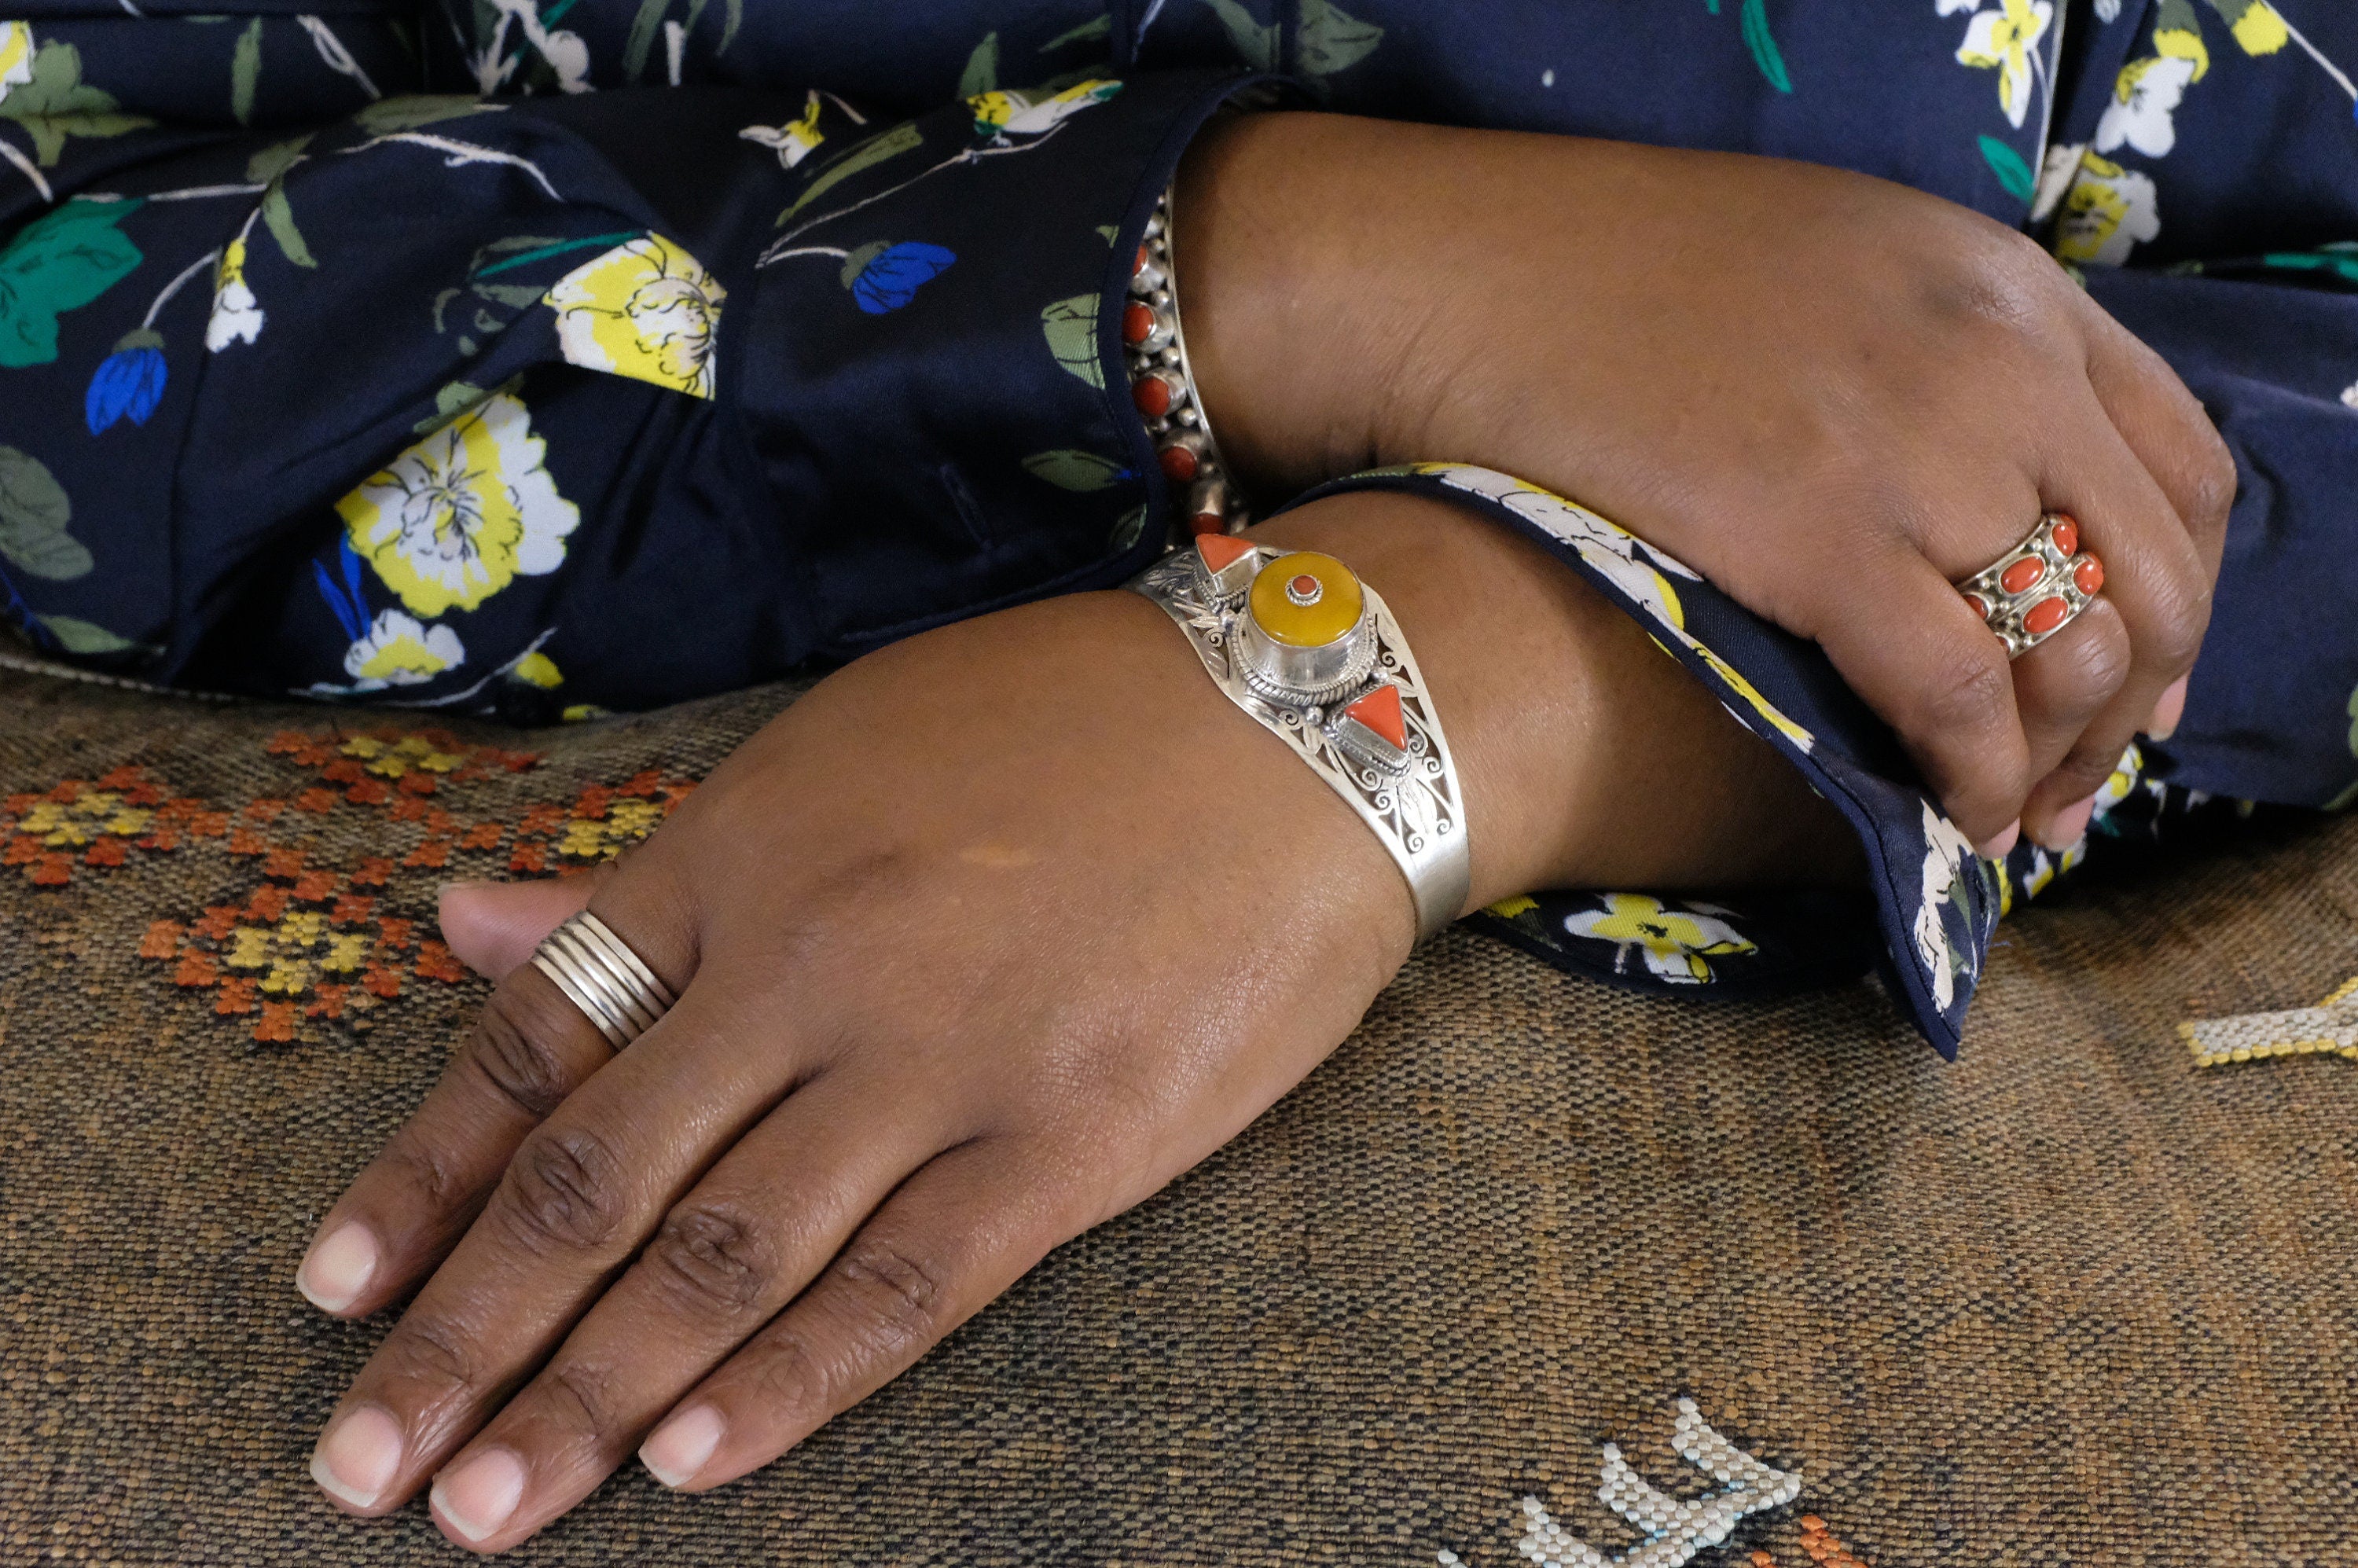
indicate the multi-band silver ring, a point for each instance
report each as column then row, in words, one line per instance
column 599, row 974
column 2036, row 588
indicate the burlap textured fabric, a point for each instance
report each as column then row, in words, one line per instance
column 2073, row 1301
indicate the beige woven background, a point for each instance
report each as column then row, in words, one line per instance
column 2073, row 1301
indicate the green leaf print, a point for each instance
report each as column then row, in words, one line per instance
column 85, row 636
column 1256, row 43
column 1070, row 469
column 1072, row 329
column 1763, row 47
column 1331, row 40
column 1102, row 29
column 55, row 106
column 865, row 155
column 641, row 41
column 981, row 73
column 34, row 513
column 2012, row 172
column 388, row 115
column 59, row 263
column 245, row 72
column 1127, row 529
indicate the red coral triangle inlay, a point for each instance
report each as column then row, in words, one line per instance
column 1220, row 550
column 1379, row 710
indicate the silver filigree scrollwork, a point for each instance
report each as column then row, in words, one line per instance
column 1418, row 813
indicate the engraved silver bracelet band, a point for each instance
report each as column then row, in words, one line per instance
column 1313, row 654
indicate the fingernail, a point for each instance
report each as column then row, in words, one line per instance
column 477, row 1497
column 357, row 1457
column 1999, row 848
column 2168, row 710
column 2071, row 824
column 339, row 1268
column 683, row 1446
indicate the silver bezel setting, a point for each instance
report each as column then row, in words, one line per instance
column 2055, row 580
column 1164, row 354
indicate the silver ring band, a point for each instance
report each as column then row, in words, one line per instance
column 599, row 974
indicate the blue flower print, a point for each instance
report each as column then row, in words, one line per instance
column 893, row 274
column 129, row 383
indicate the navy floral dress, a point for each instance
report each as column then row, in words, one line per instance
column 546, row 358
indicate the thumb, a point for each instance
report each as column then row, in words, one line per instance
column 495, row 926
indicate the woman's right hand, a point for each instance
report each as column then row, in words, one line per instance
column 1833, row 395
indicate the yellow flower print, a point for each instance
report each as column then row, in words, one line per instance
column 16, row 56
column 2145, row 97
column 2107, row 212
column 2258, row 28
column 793, row 141
column 1675, row 942
column 645, row 309
column 2004, row 39
column 460, row 514
column 1015, row 114
column 1751, row 694
column 237, row 315
column 398, row 650
column 538, row 669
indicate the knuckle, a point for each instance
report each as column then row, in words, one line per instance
column 711, row 1259
column 511, row 1047
column 582, row 1400
column 897, row 1294
column 2211, row 479
column 2183, row 616
column 1973, row 690
column 787, row 1377
column 432, row 1352
column 423, row 1172
column 563, row 1191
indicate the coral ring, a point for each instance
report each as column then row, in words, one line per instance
column 2036, row 588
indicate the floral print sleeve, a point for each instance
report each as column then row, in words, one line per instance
column 430, row 401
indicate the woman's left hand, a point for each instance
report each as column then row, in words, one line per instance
column 980, row 944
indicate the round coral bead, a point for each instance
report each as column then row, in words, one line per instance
column 1978, row 605
column 2066, row 533
column 2045, row 616
column 2017, row 578
column 1179, row 463
column 1153, row 396
column 1141, row 264
column 1137, row 323
column 1205, row 522
column 2089, row 574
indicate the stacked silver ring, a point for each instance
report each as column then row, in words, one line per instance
column 599, row 973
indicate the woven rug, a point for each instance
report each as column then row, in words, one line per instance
column 2076, row 1299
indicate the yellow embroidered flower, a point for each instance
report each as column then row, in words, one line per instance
column 398, row 650
column 2107, row 212
column 645, row 309
column 237, row 315
column 1015, row 114
column 1675, row 942
column 460, row 514
column 16, row 56
column 2003, row 39
column 793, row 141
column 72, row 825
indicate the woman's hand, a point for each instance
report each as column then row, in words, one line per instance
column 1831, row 395
column 983, row 942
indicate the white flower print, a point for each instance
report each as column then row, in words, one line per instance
column 2350, row 396
column 793, row 141
column 1947, row 853
column 16, row 56
column 237, row 315
column 2143, row 98
column 1676, row 942
column 399, row 650
column 462, row 512
column 2055, row 172
column 2108, row 212
column 2006, row 40
column 1631, row 564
